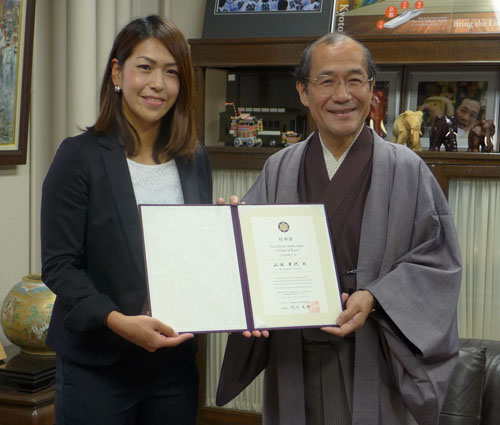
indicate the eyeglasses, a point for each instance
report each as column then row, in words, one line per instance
column 327, row 85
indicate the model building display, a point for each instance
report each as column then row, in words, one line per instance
column 255, row 127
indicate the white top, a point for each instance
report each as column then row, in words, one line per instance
column 332, row 165
column 156, row 184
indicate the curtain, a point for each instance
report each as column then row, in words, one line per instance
column 71, row 46
column 232, row 182
column 475, row 204
column 227, row 183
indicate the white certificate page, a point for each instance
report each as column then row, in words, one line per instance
column 290, row 267
column 192, row 267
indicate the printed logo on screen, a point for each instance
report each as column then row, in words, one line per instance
column 283, row 226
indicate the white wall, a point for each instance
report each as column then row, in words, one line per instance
column 60, row 103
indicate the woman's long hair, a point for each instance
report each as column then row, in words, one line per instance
column 177, row 136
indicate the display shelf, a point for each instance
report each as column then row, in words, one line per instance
column 231, row 54
column 242, row 158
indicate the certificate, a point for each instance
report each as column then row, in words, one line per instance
column 215, row 268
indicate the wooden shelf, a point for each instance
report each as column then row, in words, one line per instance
column 387, row 50
column 452, row 165
column 460, row 158
column 243, row 158
column 228, row 157
column 436, row 50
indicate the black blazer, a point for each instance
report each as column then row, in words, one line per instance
column 92, row 253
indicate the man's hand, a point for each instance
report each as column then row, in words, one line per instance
column 144, row 331
column 233, row 199
column 256, row 334
column 358, row 307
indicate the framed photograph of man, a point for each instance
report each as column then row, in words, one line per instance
column 386, row 101
column 468, row 95
column 17, row 19
column 267, row 18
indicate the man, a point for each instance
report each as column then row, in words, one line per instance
column 389, row 359
column 467, row 114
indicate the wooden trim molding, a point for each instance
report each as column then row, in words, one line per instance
column 449, row 165
column 285, row 51
column 216, row 416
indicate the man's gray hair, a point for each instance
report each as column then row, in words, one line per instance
column 304, row 67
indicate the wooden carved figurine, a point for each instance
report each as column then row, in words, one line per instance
column 481, row 135
column 407, row 129
column 443, row 130
column 378, row 110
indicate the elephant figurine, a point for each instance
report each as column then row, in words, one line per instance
column 443, row 130
column 481, row 135
column 407, row 129
column 378, row 111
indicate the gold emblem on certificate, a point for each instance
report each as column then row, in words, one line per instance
column 283, row 226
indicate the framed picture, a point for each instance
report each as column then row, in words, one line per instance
column 416, row 17
column 469, row 95
column 17, row 18
column 267, row 18
column 387, row 98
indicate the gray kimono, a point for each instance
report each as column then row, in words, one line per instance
column 410, row 261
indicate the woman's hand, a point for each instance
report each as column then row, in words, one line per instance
column 255, row 333
column 145, row 331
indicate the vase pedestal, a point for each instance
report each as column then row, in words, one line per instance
column 27, row 388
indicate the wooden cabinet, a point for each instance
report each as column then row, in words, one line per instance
column 464, row 50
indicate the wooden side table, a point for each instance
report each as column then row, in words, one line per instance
column 17, row 408
column 27, row 389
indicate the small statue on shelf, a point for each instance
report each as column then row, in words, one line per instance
column 246, row 128
column 290, row 137
column 443, row 130
column 407, row 129
column 481, row 135
column 378, row 111
column 287, row 138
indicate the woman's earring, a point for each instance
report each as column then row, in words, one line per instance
column 117, row 89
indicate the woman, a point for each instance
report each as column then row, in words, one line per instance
column 116, row 364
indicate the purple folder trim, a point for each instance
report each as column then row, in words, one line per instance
column 242, row 266
column 148, row 296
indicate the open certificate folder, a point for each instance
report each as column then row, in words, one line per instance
column 218, row 268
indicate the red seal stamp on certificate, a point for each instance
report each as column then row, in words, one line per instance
column 314, row 307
